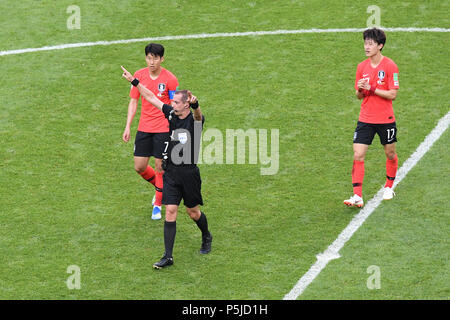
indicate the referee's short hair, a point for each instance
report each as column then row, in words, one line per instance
column 155, row 48
column 376, row 35
column 184, row 94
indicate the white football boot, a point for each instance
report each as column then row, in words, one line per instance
column 156, row 213
column 388, row 193
column 354, row 201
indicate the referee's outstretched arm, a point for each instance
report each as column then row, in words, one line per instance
column 193, row 103
column 146, row 94
column 197, row 114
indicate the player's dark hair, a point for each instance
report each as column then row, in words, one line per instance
column 184, row 94
column 376, row 35
column 155, row 49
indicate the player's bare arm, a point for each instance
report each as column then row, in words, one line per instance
column 147, row 94
column 364, row 85
column 132, row 107
column 197, row 112
column 387, row 94
column 360, row 92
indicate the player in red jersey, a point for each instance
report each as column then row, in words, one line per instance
column 152, row 137
column 377, row 84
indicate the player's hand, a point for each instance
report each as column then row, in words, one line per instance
column 126, row 135
column 126, row 74
column 363, row 84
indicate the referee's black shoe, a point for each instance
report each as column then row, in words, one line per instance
column 206, row 244
column 164, row 262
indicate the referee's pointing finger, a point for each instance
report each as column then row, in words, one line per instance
column 125, row 72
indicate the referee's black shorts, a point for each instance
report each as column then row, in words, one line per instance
column 182, row 182
column 150, row 144
column 365, row 132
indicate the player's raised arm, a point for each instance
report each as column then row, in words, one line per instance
column 147, row 94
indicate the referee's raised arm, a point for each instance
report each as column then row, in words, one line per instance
column 147, row 94
column 193, row 103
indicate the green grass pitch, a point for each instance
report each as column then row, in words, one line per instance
column 69, row 194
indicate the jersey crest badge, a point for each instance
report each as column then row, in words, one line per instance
column 182, row 137
column 161, row 89
column 381, row 75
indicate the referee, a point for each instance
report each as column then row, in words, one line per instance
column 182, row 176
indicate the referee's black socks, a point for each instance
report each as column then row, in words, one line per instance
column 202, row 224
column 170, row 230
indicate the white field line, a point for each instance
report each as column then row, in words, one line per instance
column 332, row 252
column 210, row 35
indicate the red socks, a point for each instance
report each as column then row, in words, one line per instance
column 159, row 188
column 358, row 177
column 358, row 174
column 155, row 178
column 391, row 171
column 149, row 175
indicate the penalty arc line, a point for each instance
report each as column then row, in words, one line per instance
column 332, row 252
column 210, row 35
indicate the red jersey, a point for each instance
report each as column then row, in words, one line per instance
column 375, row 109
column 152, row 120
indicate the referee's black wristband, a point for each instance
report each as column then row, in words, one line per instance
column 194, row 105
column 135, row 82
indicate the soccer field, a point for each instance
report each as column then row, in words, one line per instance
column 70, row 195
